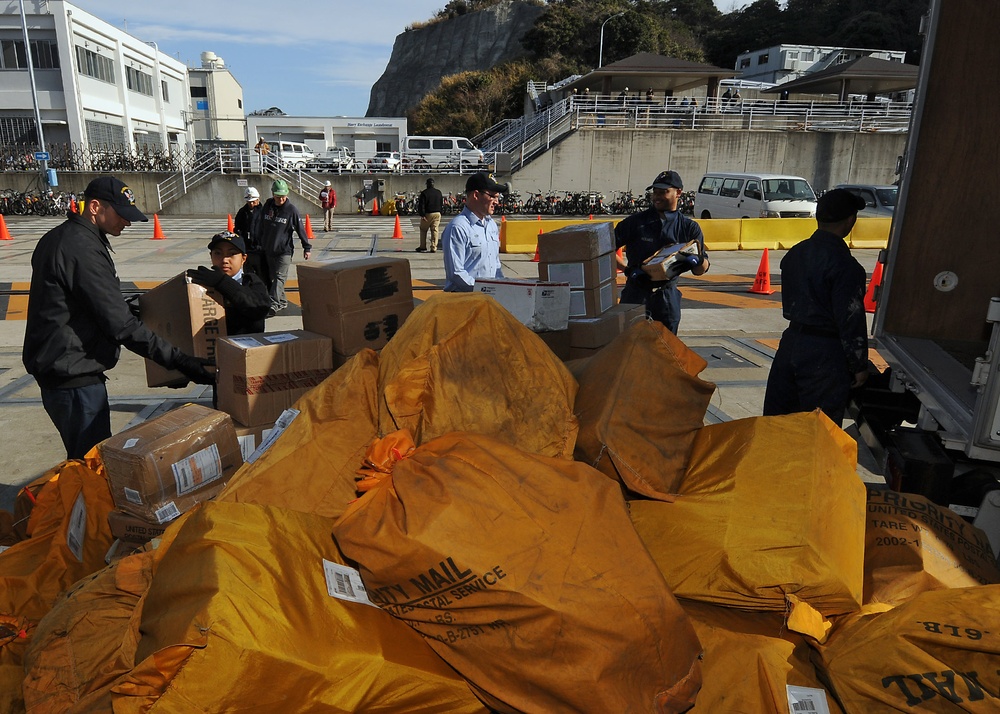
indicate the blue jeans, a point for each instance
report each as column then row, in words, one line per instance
column 277, row 266
column 82, row 416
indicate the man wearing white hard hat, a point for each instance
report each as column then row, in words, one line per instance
column 328, row 202
column 246, row 225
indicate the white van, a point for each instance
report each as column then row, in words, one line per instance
column 292, row 154
column 440, row 152
column 724, row 195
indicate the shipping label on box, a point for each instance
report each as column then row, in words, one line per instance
column 261, row 375
column 539, row 306
column 188, row 316
column 592, row 303
column 160, row 468
column 356, row 302
column 584, row 241
column 584, row 274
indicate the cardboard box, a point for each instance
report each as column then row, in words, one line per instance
column 595, row 332
column 537, row 305
column 261, row 375
column 357, row 302
column 583, row 352
column 188, row 316
column 558, row 342
column 132, row 529
column 584, row 241
column 250, row 437
column 594, row 302
column 660, row 265
column 159, row 469
column 583, row 274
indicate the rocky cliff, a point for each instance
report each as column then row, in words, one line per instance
column 475, row 41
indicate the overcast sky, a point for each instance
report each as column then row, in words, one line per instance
column 308, row 58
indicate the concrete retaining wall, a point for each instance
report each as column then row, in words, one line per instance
column 609, row 160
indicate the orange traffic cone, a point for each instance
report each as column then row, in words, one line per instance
column 230, row 226
column 874, row 285
column 503, row 218
column 539, row 217
column 762, row 283
column 591, row 217
column 537, row 258
column 157, row 231
column 374, row 206
column 309, row 229
column 4, row 233
column 397, row 231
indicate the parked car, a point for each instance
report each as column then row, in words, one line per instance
column 385, row 161
column 334, row 160
column 880, row 201
column 292, row 154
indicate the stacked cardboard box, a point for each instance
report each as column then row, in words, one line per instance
column 584, row 256
column 541, row 306
column 356, row 302
column 187, row 316
column 589, row 334
column 159, row 469
column 261, row 375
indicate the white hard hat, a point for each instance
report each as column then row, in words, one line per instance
column 251, row 194
column 327, row 183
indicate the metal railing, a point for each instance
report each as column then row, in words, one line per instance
column 526, row 137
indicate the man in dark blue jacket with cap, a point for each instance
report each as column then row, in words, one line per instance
column 78, row 320
column 823, row 353
column 645, row 234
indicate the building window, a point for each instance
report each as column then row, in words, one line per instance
column 148, row 140
column 383, row 146
column 17, row 130
column 762, row 59
column 199, row 91
column 95, row 65
column 104, row 134
column 44, row 54
column 744, row 63
column 164, row 90
column 239, row 103
column 139, row 81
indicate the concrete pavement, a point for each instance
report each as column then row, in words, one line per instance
column 735, row 331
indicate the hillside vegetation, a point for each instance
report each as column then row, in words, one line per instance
column 566, row 40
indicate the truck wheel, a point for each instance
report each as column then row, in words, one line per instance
column 706, row 214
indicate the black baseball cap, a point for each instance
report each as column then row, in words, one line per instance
column 483, row 182
column 227, row 237
column 116, row 193
column 667, row 179
column 838, row 204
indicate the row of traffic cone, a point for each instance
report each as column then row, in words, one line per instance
column 762, row 282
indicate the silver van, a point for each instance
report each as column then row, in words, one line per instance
column 444, row 153
column 880, row 201
column 729, row 195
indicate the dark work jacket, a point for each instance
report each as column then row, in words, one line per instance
column 429, row 201
column 77, row 318
column 247, row 226
column 641, row 234
column 277, row 224
column 823, row 288
column 246, row 303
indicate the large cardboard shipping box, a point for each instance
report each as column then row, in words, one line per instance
column 159, row 469
column 558, row 342
column 595, row 332
column 261, row 375
column 585, row 241
column 131, row 528
column 594, row 302
column 357, row 302
column 538, row 306
column 188, row 316
column 580, row 274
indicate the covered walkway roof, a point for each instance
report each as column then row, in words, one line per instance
column 866, row 75
column 644, row 70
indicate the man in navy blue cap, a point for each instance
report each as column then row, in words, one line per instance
column 78, row 321
column 244, row 295
column 644, row 234
column 823, row 353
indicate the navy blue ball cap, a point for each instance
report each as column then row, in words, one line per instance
column 227, row 237
column 667, row 179
column 117, row 194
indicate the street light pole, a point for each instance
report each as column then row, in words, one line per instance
column 40, row 135
column 600, row 52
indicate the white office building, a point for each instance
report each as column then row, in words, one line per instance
column 362, row 135
column 783, row 63
column 216, row 102
column 95, row 83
